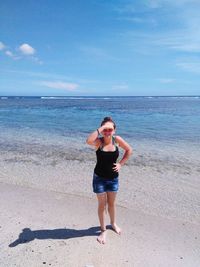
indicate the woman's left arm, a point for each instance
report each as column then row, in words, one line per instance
column 128, row 151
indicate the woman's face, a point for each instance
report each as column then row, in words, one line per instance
column 109, row 129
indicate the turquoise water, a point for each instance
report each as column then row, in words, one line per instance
column 138, row 118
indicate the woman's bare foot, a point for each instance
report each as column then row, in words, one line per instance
column 102, row 237
column 116, row 228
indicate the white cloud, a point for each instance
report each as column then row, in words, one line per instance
column 182, row 40
column 26, row 49
column 2, row 46
column 60, row 85
column 182, row 17
column 9, row 53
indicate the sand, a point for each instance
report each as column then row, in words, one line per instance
column 46, row 228
column 48, row 213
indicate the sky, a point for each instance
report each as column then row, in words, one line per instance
column 99, row 47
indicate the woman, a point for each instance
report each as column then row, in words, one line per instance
column 106, row 172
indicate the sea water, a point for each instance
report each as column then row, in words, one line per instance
column 59, row 121
column 152, row 118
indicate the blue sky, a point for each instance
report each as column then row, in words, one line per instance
column 96, row 47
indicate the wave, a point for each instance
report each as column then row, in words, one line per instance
column 98, row 97
column 53, row 97
column 72, row 97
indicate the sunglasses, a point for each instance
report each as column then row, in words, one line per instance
column 108, row 130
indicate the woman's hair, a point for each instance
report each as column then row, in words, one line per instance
column 108, row 119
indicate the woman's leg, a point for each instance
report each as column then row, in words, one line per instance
column 111, row 197
column 102, row 198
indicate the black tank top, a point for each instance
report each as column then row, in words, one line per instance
column 105, row 162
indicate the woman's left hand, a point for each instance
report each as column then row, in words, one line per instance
column 117, row 167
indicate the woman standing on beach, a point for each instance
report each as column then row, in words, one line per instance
column 106, row 172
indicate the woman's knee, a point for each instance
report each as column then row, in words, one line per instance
column 102, row 204
column 111, row 204
column 101, row 207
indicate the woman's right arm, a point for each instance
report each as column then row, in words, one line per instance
column 93, row 137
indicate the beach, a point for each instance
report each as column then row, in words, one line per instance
column 40, row 228
column 100, row 96
column 46, row 171
column 157, row 211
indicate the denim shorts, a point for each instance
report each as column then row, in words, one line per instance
column 101, row 185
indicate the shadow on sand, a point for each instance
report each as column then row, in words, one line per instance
column 28, row 235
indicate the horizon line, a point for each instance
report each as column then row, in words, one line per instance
column 99, row 95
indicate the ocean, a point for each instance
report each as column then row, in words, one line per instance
column 42, row 143
column 153, row 118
